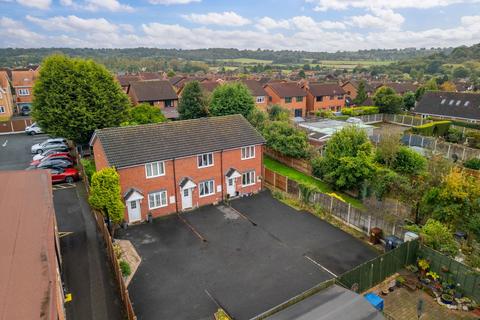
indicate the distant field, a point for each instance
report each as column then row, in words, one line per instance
column 247, row 61
column 349, row 64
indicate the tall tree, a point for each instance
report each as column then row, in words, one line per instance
column 361, row 94
column 348, row 160
column 144, row 114
column 286, row 139
column 387, row 100
column 105, row 195
column 409, row 100
column 73, row 97
column 193, row 103
column 231, row 98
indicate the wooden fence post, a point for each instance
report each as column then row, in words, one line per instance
column 274, row 179
column 448, row 151
column 286, row 184
column 331, row 204
column 409, row 140
column 348, row 214
column 369, row 223
column 463, row 154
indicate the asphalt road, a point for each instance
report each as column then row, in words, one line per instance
column 247, row 268
column 15, row 150
column 85, row 270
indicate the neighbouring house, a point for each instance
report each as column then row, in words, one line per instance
column 181, row 165
column 450, row 105
column 158, row 93
column 22, row 83
column 351, row 88
column 259, row 94
column 126, row 79
column 180, row 83
column 30, row 264
column 324, row 96
column 321, row 131
column 6, row 98
column 400, row 88
column 288, row 95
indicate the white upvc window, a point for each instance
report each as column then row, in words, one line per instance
column 205, row 160
column 260, row 99
column 155, row 169
column 206, row 188
column 248, row 178
column 2, row 109
column 23, row 92
column 157, row 199
column 248, row 152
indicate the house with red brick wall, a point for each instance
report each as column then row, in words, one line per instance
column 259, row 94
column 176, row 166
column 288, row 95
column 22, row 82
column 158, row 93
column 324, row 96
column 6, row 98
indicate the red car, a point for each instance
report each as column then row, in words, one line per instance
column 68, row 175
column 59, row 155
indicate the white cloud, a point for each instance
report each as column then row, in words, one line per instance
column 170, row 2
column 96, row 5
column 228, row 18
column 324, row 5
column 15, row 34
column 267, row 23
column 74, row 24
column 39, row 4
column 299, row 23
column 381, row 19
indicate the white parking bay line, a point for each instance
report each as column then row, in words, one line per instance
column 5, row 143
column 319, row 265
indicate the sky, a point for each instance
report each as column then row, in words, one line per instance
column 310, row 25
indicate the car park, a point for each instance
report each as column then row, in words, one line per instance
column 33, row 129
column 61, row 155
column 50, row 152
column 67, row 175
column 55, row 143
column 51, row 163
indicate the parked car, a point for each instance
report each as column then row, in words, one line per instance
column 25, row 111
column 56, row 143
column 68, row 175
column 33, row 129
column 55, row 163
column 62, row 156
column 48, row 153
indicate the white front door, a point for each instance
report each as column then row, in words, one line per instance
column 186, row 198
column 134, row 212
column 231, row 188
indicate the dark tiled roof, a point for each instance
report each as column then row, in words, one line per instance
column 170, row 113
column 150, row 76
column 355, row 83
column 127, row 78
column 453, row 104
column 325, row 89
column 153, row 90
column 130, row 192
column 175, row 80
column 400, row 88
column 287, row 89
column 209, row 86
column 255, row 87
column 135, row 145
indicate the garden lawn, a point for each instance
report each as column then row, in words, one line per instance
column 308, row 180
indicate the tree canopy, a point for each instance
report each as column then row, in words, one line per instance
column 361, row 94
column 193, row 103
column 231, row 98
column 73, row 97
column 105, row 194
column 284, row 138
column 388, row 100
column 144, row 114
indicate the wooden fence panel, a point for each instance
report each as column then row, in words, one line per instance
column 15, row 125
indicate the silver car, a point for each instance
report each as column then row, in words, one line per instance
column 55, row 143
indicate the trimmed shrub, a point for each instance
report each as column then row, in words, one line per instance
column 360, row 111
column 341, row 118
column 466, row 124
column 408, row 161
column 473, row 163
column 436, row 128
column 89, row 167
column 125, row 268
column 454, row 135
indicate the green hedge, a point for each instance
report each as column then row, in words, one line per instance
column 341, row 118
column 466, row 124
column 436, row 128
column 473, row 163
column 360, row 111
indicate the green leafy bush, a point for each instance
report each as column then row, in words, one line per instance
column 473, row 163
column 88, row 167
column 439, row 237
column 125, row 268
column 286, row 139
column 436, row 128
column 454, row 135
column 325, row 114
column 408, row 161
column 474, row 139
column 360, row 111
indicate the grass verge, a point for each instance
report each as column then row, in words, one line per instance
column 309, row 181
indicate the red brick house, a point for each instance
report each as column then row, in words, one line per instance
column 6, row 98
column 324, row 96
column 158, row 93
column 259, row 94
column 288, row 95
column 176, row 166
column 22, row 82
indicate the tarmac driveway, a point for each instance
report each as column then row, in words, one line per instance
column 245, row 268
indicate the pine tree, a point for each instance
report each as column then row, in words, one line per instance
column 361, row 94
column 193, row 102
